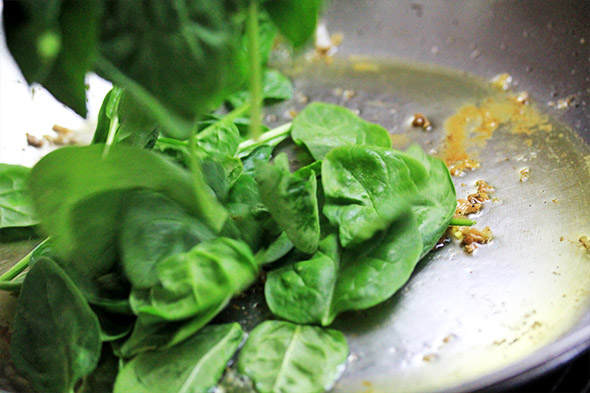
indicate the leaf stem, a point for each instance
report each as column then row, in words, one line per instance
column 255, row 69
column 462, row 222
column 273, row 135
column 20, row 266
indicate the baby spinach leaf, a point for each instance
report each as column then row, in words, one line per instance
column 64, row 178
column 436, row 201
column 322, row 127
column 54, row 44
column 108, row 116
column 175, row 57
column 219, row 139
column 318, row 289
column 194, row 365
column 206, row 276
column 153, row 228
column 277, row 249
column 259, row 154
column 56, row 339
column 292, row 202
column 366, row 188
column 16, row 209
column 283, row 357
column 296, row 20
column 275, row 87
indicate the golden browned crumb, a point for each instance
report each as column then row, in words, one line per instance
column 585, row 242
column 34, row 141
column 420, row 121
column 64, row 136
column 525, row 174
column 470, row 237
column 474, row 202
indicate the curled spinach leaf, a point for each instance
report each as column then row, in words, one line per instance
column 318, row 289
column 322, row 127
column 295, row 19
column 194, row 365
column 56, row 339
column 292, row 202
column 283, row 357
column 366, row 188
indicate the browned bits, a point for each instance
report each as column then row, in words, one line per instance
column 32, row 140
column 471, row 237
column 420, row 121
column 585, row 242
column 525, row 174
column 474, row 202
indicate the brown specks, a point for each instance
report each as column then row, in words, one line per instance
column 585, row 243
column 525, row 174
column 470, row 237
column 34, row 141
column 420, row 121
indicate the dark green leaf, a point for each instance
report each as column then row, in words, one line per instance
column 192, row 366
column 318, row 289
column 295, row 19
column 322, row 127
column 56, row 339
column 366, row 188
column 283, row 357
column 55, row 44
column 292, row 202
column 259, row 154
column 175, row 57
column 219, row 140
column 16, row 209
column 154, row 228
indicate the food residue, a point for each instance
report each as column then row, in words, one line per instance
column 502, row 81
column 468, row 130
column 474, row 202
column 64, row 136
column 470, row 237
column 326, row 45
column 32, row 140
column 420, row 121
column 585, row 242
column 525, row 174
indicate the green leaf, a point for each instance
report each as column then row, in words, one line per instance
column 192, row 366
column 16, row 209
column 207, row 276
column 295, row 19
column 283, row 357
column 108, row 115
column 219, row 139
column 292, row 202
column 318, row 289
column 56, row 339
column 55, row 44
column 153, row 229
column 322, row 127
column 62, row 180
column 275, row 87
column 260, row 154
column 175, row 57
column 436, row 201
column 366, row 188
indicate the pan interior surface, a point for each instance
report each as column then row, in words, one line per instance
column 463, row 317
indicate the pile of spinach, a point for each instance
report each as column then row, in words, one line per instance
column 172, row 211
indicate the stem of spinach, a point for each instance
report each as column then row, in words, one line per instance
column 276, row 135
column 462, row 222
column 20, row 266
column 111, row 135
column 255, row 69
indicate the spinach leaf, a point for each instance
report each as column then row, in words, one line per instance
column 65, row 177
column 206, row 276
column 322, row 127
column 318, row 289
column 174, row 57
column 108, row 116
column 16, row 209
column 192, row 366
column 283, row 357
column 292, row 202
column 54, row 44
column 153, row 228
column 56, row 339
column 366, row 188
column 277, row 249
column 275, row 87
column 296, row 20
column 221, row 140
column 260, row 154
column 436, row 201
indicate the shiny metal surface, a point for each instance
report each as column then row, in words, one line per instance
column 521, row 304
